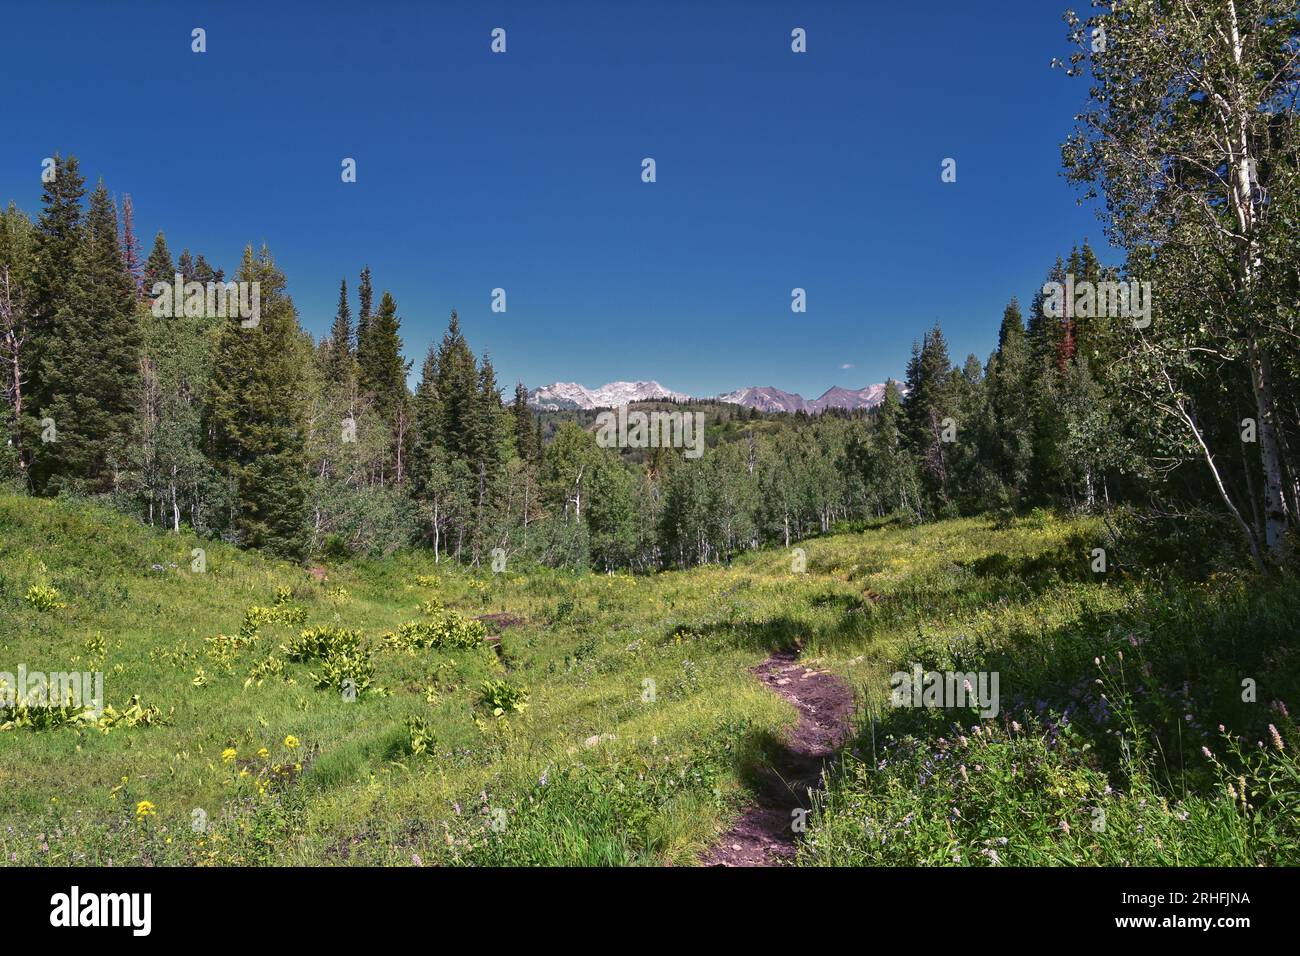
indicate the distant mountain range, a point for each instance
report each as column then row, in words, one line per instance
column 570, row 395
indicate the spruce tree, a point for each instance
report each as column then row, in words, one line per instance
column 205, row 272
column 457, row 387
column 381, row 368
column 1009, row 413
column 523, row 418
column 57, row 239
column 90, row 364
column 159, row 267
column 130, row 245
column 366, row 295
column 339, row 370
column 255, row 415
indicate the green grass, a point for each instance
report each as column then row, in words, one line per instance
column 640, row 720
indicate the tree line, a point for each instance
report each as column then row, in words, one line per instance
column 271, row 439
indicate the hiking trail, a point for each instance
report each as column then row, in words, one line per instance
column 764, row 835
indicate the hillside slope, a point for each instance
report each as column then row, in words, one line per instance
column 641, row 729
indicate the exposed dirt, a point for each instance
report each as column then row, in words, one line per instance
column 499, row 621
column 765, row 835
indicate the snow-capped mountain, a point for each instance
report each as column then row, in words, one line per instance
column 770, row 399
column 568, row 395
column 563, row 396
column 836, row 397
column 766, row 399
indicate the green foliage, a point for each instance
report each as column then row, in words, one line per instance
column 43, row 597
column 255, row 414
column 502, row 698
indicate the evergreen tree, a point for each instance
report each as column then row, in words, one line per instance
column 57, row 239
column 928, row 404
column 1011, row 426
column 382, row 373
column 90, row 364
column 205, row 273
column 130, row 245
column 339, row 371
column 523, row 417
column 457, row 386
column 255, row 415
column 366, row 294
column 159, row 266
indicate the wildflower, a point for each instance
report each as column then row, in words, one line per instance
column 1281, row 708
column 228, row 755
column 144, row 809
column 1206, row 751
column 1015, row 726
column 415, row 858
column 291, row 742
column 1277, row 738
column 964, row 777
column 1065, row 827
column 263, row 752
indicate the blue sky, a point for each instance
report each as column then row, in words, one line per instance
column 523, row 170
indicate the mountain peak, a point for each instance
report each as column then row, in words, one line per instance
column 561, row 396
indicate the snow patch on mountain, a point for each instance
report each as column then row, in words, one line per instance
column 570, row 395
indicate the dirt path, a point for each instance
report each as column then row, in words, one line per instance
column 764, row 835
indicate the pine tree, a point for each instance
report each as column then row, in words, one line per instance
column 130, row 245
column 205, row 273
column 523, row 417
column 57, row 239
column 457, row 386
column 185, row 265
column 928, row 403
column 382, row 370
column 426, row 422
column 255, row 415
column 90, row 365
column 1009, row 413
column 159, row 267
column 341, row 355
column 486, row 431
column 366, row 294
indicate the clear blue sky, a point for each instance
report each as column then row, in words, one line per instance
column 523, row 170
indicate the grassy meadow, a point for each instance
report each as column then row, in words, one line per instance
column 259, row 714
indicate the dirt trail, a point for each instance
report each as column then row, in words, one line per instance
column 764, row 836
